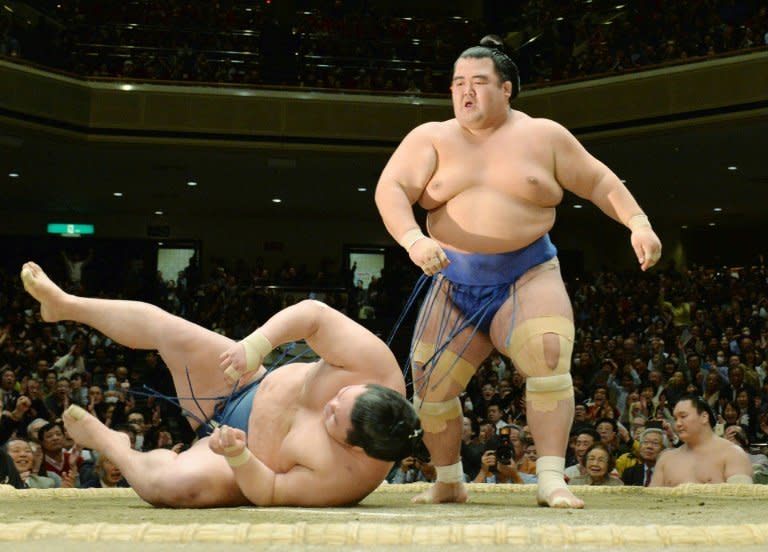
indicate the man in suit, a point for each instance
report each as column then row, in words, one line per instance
column 652, row 442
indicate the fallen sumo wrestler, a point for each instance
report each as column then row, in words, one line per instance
column 321, row 433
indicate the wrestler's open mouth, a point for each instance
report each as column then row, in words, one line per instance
column 468, row 104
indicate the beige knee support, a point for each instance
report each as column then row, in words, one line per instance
column 546, row 385
column 434, row 416
column 447, row 368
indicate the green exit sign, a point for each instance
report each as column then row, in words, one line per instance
column 69, row 229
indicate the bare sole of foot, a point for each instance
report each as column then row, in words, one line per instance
column 42, row 288
column 561, row 498
column 441, row 493
column 88, row 431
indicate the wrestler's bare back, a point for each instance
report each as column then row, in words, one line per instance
column 712, row 463
column 507, row 175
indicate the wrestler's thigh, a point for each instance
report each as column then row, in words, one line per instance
column 540, row 294
column 191, row 349
column 200, row 478
column 448, row 376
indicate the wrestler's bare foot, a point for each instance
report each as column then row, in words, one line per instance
column 89, row 432
column 560, row 498
column 442, row 492
column 51, row 297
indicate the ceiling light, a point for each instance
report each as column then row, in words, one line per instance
column 277, row 200
column 158, row 212
column 623, row 181
column 13, row 174
column 578, row 206
column 733, row 168
column 362, row 189
column 711, row 223
column 118, row 194
column 717, row 209
column 191, row 183
column 684, row 226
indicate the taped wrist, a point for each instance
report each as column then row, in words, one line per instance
column 257, row 347
column 638, row 221
column 450, row 474
column 410, row 237
column 240, row 459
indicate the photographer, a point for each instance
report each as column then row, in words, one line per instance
column 498, row 463
column 493, row 470
column 412, row 470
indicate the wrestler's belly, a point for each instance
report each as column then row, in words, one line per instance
column 489, row 227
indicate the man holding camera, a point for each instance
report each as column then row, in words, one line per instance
column 498, row 465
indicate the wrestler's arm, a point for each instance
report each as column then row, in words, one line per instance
column 404, row 178
column 578, row 171
column 337, row 339
column 400, row 186
column 737, row 463
column 300, row 486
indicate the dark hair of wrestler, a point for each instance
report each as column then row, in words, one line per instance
column 491, row 46
column 384, row 424
column 701, row 406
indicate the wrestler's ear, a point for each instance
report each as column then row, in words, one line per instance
column 357, row 449
column 506, row 87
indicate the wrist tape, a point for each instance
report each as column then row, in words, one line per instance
column 410, row 237
column 240, row 459
column 257, row 347
column 638, row 221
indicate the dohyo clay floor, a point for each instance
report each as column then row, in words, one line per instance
column 700, row 518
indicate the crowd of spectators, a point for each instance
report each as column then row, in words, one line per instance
column 348, row 45
column 642, row 342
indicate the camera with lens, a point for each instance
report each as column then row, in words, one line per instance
column 504, row 450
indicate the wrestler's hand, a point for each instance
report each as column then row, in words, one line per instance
column 233, row 362
column 647, row 247
column 427, row 254
column 227, row 441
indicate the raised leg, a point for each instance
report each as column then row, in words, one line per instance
column 196, row 478
column 181, row 344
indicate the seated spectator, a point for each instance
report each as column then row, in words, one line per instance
column 411, row 470
column 652, row 443
column 9, row 475
column 105, row 475
column 472, row 448
column 737, row 435
column 598, row 464
column 493, row 471
column 704, row 457
column 20, row 451
column 58, row 461
column 585, row 438
column 615, row 437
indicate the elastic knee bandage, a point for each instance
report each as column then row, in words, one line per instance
column 545, row 385
column 434, row 416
